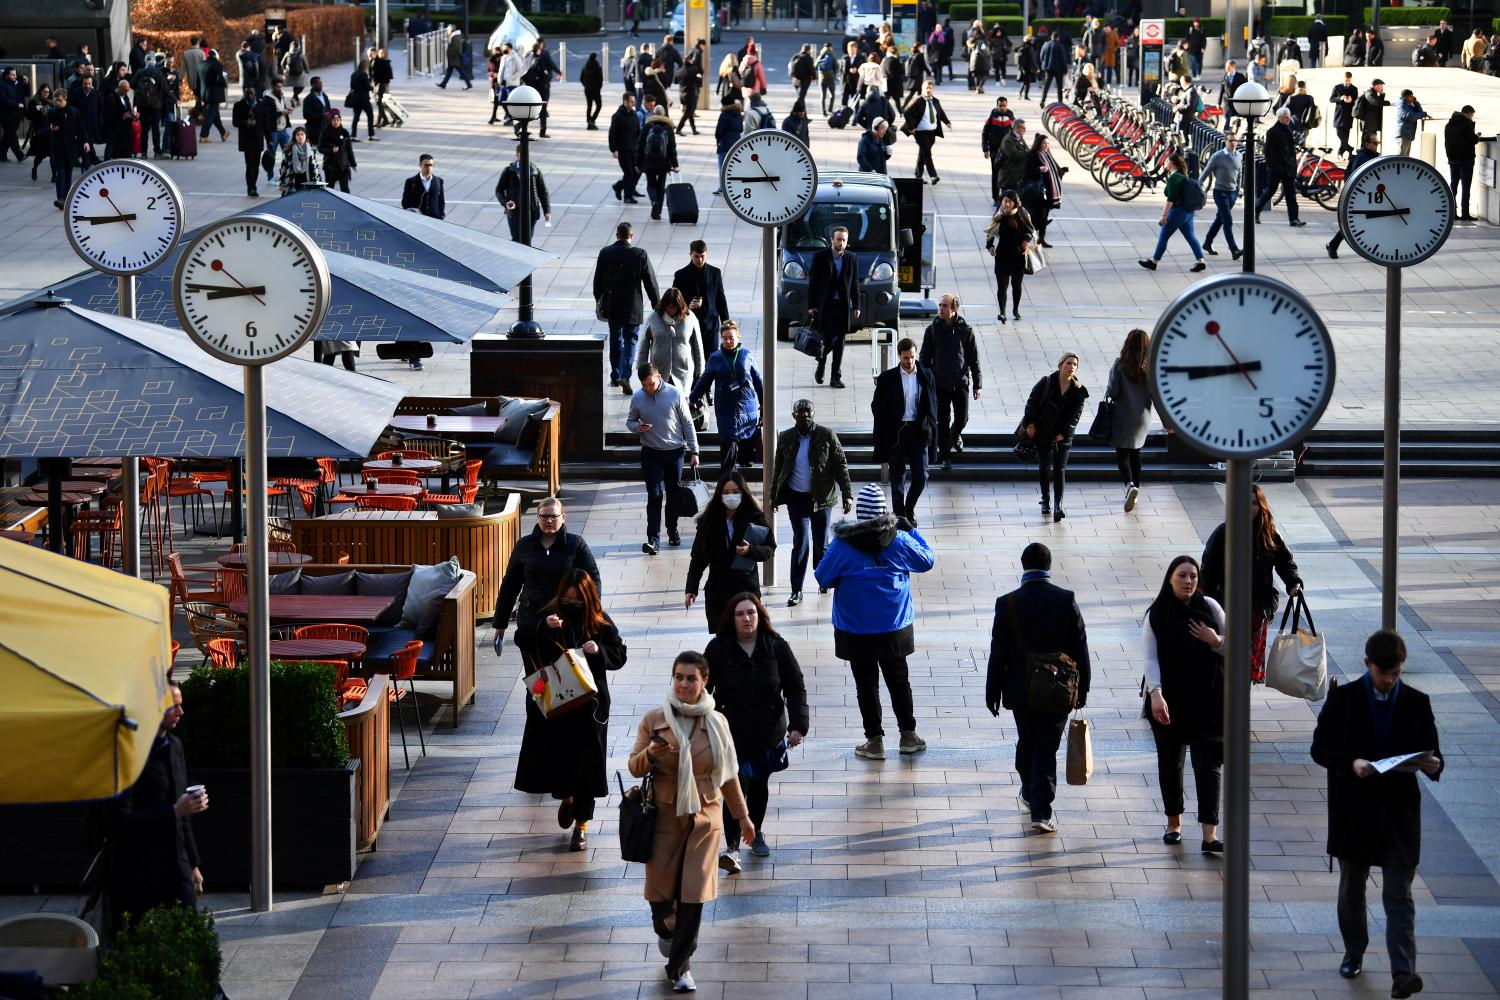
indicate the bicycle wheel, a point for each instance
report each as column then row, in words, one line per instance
column 1123, row 186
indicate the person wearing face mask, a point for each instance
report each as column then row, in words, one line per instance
column 1052, row 413
column 905, row 409
column 688, row 749
column 733, row 538
column 737, row 389
column 811, row 471
column 537, row 565
column 758, row 685
column 564, row 756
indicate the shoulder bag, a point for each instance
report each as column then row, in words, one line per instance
column 808, row 342
column 1104, row 421
column 564, row 686
column 689, row 496
column 1297, row 662
column 637, row 820
column 1025, row 449
column 1052, row 681
column 1034, row 260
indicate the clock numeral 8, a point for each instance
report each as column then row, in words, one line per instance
column 747, row 193
column 250, row 330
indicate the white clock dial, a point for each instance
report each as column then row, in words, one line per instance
column 769, row 178
column 1241, row 365
column 251, row 289
column 123, row 216
column 1396, row 211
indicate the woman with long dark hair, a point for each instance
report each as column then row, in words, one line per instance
column 1041, row 185
column 1268, row 553
column 758, row 685
column 1008, row 238
column 720, row 546
column 37, row 107
column 564, row 756
column 1183, row 641
column 1132, row 397
column 1052, row 412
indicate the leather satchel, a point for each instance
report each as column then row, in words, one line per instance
column 689, row 496
column 808, row 342
column 1052, row 678
column 637, row 820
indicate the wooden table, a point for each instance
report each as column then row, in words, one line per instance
column 95, row 472
column 421, row 466
column 468, row 428
column 320, row 608
column 25, row 537
column 236, row 560
column 316, row 649
column 71, row 498
column 98, row 463
column 352, row 493
column 381, row 515
column 92, row 487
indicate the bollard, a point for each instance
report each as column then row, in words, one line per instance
column 562, row 60
column 1429, row 147
column 604, row 61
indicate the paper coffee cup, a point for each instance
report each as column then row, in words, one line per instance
column 194, row 789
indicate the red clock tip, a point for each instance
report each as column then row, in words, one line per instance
column 104, row 192
column 217, row 265
column 1213, row 326
column 755, row 156
column 1380, row 188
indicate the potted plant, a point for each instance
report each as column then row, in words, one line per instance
column 170, row 953
column 312, row 776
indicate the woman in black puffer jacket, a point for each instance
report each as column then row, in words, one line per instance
column 1052, row 415
column 757, row 684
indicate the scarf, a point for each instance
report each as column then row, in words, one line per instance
column 720, row 742
column 300, row 157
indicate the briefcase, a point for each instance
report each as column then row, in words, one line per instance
column 682, row 204
column 808, row 342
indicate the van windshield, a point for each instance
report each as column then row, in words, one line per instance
column 866, row 7
column 869, row 226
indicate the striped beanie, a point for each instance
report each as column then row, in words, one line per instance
column 870, row 503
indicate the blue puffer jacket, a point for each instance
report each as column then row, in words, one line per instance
column 869, row 566
column 737, row 392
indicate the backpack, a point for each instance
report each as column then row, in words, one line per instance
column 1193, row 198
column 656, row 146
column 761, row 117
column 147, row 90
column 825, row 63
column 1197, row 101
column 296, row 63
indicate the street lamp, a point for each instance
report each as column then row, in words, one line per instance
column 1250, row 101
column 524, row 106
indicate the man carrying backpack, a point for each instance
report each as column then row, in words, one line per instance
column 657, row 154
column 758, row 116
column 1184, row 198
column 150, row 86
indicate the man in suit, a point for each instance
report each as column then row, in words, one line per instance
column 424, row 190
column 1343, row 97
column 1375, row 817
column 1054, row 60
column 949, row 350
column 849, row 65
column 624, row 138
column 1317, row 42
column 1039, row 617
column 833, row 284
column 252, row 139
column 905, row 409
column 68, row 143
column 702, row 285
column 120, row 117
column 925, row 119
column 620, row 274
column 1281, row 164
column 315, row 109
column 1233, row 80
column 192, row 61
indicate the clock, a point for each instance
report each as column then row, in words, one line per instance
column 1241, row 366
column 768, row 178
column 1396, row 211
column 123, row 216
column 251, row 289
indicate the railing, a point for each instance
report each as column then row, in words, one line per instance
column 427, row 53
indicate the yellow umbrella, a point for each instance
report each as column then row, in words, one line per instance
column 83, row 664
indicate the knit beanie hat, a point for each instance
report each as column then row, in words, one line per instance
column 870, row 503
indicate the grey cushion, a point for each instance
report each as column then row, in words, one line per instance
column 384, row 585
column 470, row 410
column 286, row 583
column 513, row 417
column 334, row 583
column 424, row 597
column 451, row 510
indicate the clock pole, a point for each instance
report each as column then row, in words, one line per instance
column 258, row 638
column 768, row 363
column 1237, row 630
column 130, row 469
column 1390, row 505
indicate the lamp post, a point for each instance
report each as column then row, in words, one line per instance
column 525, row 106
column 1250, row 102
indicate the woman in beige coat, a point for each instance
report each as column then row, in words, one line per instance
column 687, row 748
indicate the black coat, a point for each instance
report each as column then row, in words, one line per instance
column 592, row 77
column 1008, row 241
column 949, row 349
column 1368, row 109
column 1052, row 412
column 888, row 404
column 338, row 152
column 534, row 571
column 247, row 124
column 833, row 295
column 1281, row 150
column 117, row 120
column 66, row 144
column 359, row 90
column 1343, row 111
column 1050, row 623
column 706, row 283
column 315, row 108
column 1263, row 595
column 213, row 81
column 427, row 201
column 91, row 112
column 1459, row 138
column 996, row 127
column 713, row 550
column 620, row 273
column 917, row 108
column 154, row 853
column 1369, row 816
column 624, row 131
column 762, row 694
column 508, row 189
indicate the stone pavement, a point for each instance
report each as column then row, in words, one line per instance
column 917, row 877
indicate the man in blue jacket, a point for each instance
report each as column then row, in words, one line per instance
column 1054, row 60
column 737, row 388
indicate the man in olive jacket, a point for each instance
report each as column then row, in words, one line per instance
column 811, row 472
column 1374, row 818
column 1013, row 157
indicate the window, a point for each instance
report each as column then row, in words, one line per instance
column 868, row 7
column 869, row 226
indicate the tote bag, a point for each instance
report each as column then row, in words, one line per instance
column 564, row 686
column 1297, row 662
column 637, row 820
column 1080, row 751
column 689, row 496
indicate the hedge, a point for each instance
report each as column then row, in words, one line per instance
column 1296, row 27
column 305, row 728
column 330, row 32
column 990, row 9
column 481, row 26
column 1395, row 17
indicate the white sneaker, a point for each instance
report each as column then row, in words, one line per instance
column 1045, row 825
column 685, row 984
column 730, row 862
column 1130, row 497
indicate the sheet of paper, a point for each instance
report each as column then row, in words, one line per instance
column 1403, row 762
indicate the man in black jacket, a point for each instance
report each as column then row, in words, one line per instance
column 1342, row 98
column 1369, row 150
column 1375, row 811
column 1459, row 140
column 996, row 127
column 833, row 284
column 949, row 350
column 1317, row 42
column 1281, row 164
column 1233, row 80
column 917, row 70
column 315, row 110
column 67, row 143
column 508, row 192
column 423, row 191
column 1197, row 41
column 925, row 119
column 537, row 565
column 1374, row 48
column 905, row 410
column 624, row 138
column 12, row 109
column 702, row 285
column 1036, row 617
column 849, row 65
column 252, row 138
column 811, row 472
column 620, row 274
column 120, row 118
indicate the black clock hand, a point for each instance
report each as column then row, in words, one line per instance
column 218, row 265
column 96, row 220
column 754, row 158
column 226, row 292
column 1213, row 331
column 757, row 180
column 1209, row 371
column 117, row 209
column 1380, row 213
column 1399, row 213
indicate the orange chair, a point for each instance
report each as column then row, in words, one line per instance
column 272, row 545
column 222, row 652
column 405, row 453
column 405, row 662
column 334, row 630
column 176, row 648
column 104, row 523
column 184, row 487
column 467, row 493
column 197, row 583
column 232, row 582
column 394, row 477
column 386, row 503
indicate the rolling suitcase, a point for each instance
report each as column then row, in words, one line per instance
column 682, row 204
column 135, row 138
column 395, row 112
column 184, row 140
column 840, row 118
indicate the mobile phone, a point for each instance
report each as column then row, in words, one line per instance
column 658, row 738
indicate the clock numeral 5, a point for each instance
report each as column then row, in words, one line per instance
column 1266, row 409
column 250, row 330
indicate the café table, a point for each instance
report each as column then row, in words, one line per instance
column 97, row 463
column 421, row 466
column 319, row 608
column 351, row 493
column 94, row 472
column 466, row 428
column 355, row 514
column 316, row 649
column 236, row 560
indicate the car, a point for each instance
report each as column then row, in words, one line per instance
column 679, row 17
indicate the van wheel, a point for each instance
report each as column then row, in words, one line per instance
column 783, row 329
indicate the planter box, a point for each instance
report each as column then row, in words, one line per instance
column 47, row 847
column 312, row 827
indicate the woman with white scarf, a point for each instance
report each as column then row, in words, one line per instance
column 687, row 748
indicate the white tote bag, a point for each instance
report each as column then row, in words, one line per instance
column 1297, row 663
column 565, row 686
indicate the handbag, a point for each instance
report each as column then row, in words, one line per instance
column 808, row 342
column 637, row 820
column 564, row 686
column 1080, row 751
column 1025, row 449
column 762, row 765
column 689, row 496
column 1052, row 681
column 1034, row 261
column 1297, row 662
column 1104, row 421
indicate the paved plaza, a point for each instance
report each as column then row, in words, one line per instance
column 918, row 877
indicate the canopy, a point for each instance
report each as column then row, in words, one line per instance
column 515, row 29
column 84, row 655
column 76, row 384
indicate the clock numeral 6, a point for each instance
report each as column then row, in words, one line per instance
column 1266, row 409
column 250, row 330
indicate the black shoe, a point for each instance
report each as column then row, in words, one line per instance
column 1210, row 250
column 56, row 204
column 1058, row 515
column 1351, row 966
column 1199, row 266
column 1046, row 509
column 1236, row 254
column 822, row 590
column 936, row 179
column 616, row 190
column 947, row 465
column 1333, row 251
column 1016, row 315
column 636, row 194
column 912, row 519
column 836, row 382
column 818, row 375
column 1172, row 838
column 1148, row 264
column 958, row 443
column 565, row 813
column 1213, row 847
column 1297, row 222
column 1404, row 984
column 674, row 538
column 1000, row 317
column 795, row 599
column 1045, row 244
column 1257, row 218
column 656, row 215
column 625, row 386
column 632, row 201
column 651, row 548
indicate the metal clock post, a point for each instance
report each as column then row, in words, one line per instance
column 123, row 217
column 768, row 178
column 1395, row 211
column 248, row 290
column 1241, row 366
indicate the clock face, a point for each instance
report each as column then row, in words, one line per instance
column 123, row 216
column 1396, row 211
column 1241, row 366
column 769, row 178
column 251, row 289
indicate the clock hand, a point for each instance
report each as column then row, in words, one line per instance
column 218, row 265
column 225, row 292
column 1399, row 213
column 1381, row 213
column 1213, row 331
column 755, row 158
column 104, row 193
column 756, row 180
column 1208, row 371
column 101, row 219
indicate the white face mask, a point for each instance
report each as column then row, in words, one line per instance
column 731, row 501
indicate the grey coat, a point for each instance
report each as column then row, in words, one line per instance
column 1132, row 409
column 675, row 347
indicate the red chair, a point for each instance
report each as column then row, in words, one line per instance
column 222, row 652
column 393, row 477
column 405, row 662
column 405, row 453
column 467, row 493
column 386, row 503
column 335, row 630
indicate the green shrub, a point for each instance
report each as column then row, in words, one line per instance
column 990, row 9
column 305, row 728
column 966, row 14
column 1177, row 27
column 1296, row 27
column 169, row 953
column 1395, row 17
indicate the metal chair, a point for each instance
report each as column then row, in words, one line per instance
column 405, row 662
column 386, row 503
column 46, row 930
column 207, row 622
